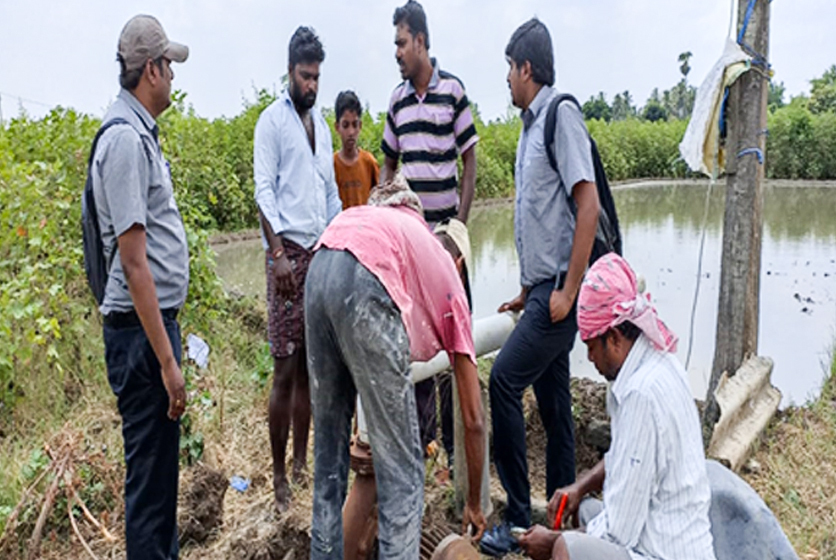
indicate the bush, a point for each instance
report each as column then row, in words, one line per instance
column 47, row 321
column 49, row 326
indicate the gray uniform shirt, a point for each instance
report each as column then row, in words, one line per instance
column 544, row 226
column 132, row 185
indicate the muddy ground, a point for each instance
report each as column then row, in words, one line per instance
column 251, row 530
column 218, row 522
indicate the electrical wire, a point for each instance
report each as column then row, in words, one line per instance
column 699, row 267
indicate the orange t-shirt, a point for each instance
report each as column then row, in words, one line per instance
column 355, row 181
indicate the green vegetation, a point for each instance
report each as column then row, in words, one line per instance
column 51, row 359
column 51, row 365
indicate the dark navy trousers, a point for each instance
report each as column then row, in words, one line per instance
column 536, row 354
column 152, row 441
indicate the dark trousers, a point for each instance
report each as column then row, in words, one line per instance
column 425, row 401
column 536, row 354
column 152, row 441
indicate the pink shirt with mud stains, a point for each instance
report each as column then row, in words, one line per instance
column 397, row 246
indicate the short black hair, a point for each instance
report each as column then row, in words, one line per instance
column 347, row 101
column 412, row 13
column 532, row 42
column 129, row 79
column 305, row 47
column 627, row 329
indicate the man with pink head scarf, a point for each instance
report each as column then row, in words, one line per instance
column 609, row 297
column 653, row 478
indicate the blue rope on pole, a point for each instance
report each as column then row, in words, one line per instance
column 749, row 9
column 748, row 151
column 757, row 58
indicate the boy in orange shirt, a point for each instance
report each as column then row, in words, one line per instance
column 356, row 170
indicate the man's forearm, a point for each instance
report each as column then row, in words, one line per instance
column 468, row 183
column 387, row 172
column 274, row 241
column 470, row 400
column 592, row 480
column 586, row 225
column 144, row 295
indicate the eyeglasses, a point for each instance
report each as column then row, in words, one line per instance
column 159, row 63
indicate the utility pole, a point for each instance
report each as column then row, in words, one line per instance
column 737, row 315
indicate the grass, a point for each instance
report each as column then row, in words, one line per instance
column 795, row 459
column 796, row 473
column 227, row 406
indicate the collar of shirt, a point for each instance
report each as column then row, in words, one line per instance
column 141, row 112
column 434, row 79
column 288, row 102
column 636, row 358
column 530, row 115
column 286, row 99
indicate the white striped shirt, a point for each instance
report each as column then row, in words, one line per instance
column 656, row 492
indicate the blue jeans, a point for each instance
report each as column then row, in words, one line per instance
column 536, row 354
column 151, row 440
column 357, row 343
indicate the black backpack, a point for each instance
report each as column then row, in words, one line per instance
column 96, row 265
column 608, row 236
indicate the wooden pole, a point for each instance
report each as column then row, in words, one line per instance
column 737, row 315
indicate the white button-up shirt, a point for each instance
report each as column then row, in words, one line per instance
column 294, row 185
column 656, row 492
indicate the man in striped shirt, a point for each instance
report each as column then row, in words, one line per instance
column 655, row 486
column 428, row 126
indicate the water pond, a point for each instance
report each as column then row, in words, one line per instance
column 662, row 228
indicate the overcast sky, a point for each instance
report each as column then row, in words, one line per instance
column 63, row 52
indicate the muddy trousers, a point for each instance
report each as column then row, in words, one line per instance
column 151, row 440
column 537, row 355
column 357, row 344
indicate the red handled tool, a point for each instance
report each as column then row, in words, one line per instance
column 559, row 517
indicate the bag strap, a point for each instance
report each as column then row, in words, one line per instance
column 551, row 125
column 102, row 130
column 91, row 200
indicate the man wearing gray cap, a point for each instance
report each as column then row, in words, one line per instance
column 144, row 244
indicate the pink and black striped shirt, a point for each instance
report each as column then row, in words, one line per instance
column 427, row 134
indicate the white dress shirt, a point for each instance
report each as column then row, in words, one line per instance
column 656, row 491
column 294, row 185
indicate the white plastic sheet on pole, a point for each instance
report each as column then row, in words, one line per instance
column 700, row 147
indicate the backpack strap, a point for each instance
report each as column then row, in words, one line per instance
column 550, row 126
column 102, row 130
column 91, row 199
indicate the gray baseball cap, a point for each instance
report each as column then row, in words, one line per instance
column 143, row 38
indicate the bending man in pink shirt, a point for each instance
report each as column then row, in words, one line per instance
column 373, row 305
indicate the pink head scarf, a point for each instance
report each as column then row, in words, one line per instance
column 609, row 297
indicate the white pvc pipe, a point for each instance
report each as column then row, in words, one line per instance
column 489, row 334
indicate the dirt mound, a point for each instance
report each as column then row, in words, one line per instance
column 592, row 432
column 201, row 507
column 267, row 536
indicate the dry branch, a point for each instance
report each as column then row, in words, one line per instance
column 49, row 499
column 92, row 519
column 77, row 532
column 11, row 521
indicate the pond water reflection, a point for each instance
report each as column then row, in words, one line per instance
column 661, row 226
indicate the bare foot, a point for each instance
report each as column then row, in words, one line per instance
column 300, row 474
column 282, row 493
